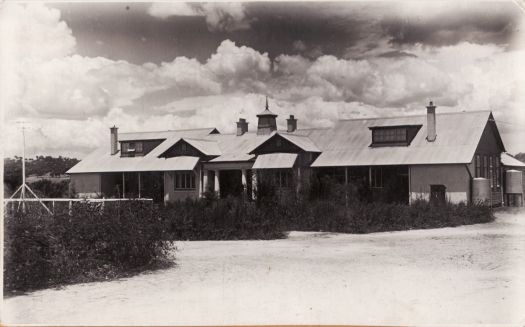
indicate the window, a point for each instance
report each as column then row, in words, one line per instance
column 376, row 177
column 491, row 172
column 132, row 147
column 183, row 147
column 389, row 135
column 278, row 143
column 184, row 181
column 478, row 165
column 284, row 178
column 138, row 146
column 498, row 172
column 485, row 167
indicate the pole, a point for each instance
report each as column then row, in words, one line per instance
column 23, row 194
column 139, row 186
column 123, row 185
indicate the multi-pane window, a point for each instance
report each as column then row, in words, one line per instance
column 376, row 177
column 485, row 167
column 478, row 165
column 498, row 172
column 284, row 178
column 131, row 146
column 184, row 180
column 491, row 172
column 389, row 135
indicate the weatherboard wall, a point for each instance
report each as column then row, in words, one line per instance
column 86, row 184
column 455, row 178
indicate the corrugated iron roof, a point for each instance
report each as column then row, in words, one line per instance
column 275, row 160
column 236, row 148
column 102, row 161
column 304, row 142
column 159, row 135
column 508, row 160
column 348, row 142
column 208, row 147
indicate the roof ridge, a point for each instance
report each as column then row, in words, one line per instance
column 173, row 130
column 196, row 139
column 419, row 115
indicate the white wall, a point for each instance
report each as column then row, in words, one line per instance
column 86, row 184
column 455, row 178
column 171, row 195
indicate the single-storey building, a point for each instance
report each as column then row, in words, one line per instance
column 432, row 156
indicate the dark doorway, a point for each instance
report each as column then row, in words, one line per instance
column 230, row 182
column 152, row 185
column 438, row 194
column 389, row 184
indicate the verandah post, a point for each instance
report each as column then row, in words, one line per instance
column 346, row 186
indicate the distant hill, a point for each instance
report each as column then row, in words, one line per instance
column 520, row 156
column 51, row 167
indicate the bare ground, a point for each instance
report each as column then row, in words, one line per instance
column 469, row 274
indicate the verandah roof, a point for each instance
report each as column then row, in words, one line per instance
column 275, row 160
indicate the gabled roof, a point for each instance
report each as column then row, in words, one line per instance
column 510, row 161
column 159, row 135
column 301, row 141
column 347, row 143
column 275, row 160
column 101, row 159
column 207, row 147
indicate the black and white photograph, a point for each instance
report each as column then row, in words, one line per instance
column 263, row 163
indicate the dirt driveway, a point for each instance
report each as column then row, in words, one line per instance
column 468, row 274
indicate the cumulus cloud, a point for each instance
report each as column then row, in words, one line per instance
column 72, row 100
column 219, row 16
column 239, row 66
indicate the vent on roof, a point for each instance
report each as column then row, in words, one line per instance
column 266, row 121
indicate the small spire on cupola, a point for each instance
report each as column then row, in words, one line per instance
column 266, row 121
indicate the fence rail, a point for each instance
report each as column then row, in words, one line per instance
column 69, row 201
column 74, row 200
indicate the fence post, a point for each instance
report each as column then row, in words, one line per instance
column 70, row 207
column 103, row 203
column 53, row 206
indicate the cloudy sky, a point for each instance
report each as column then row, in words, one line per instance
column 72, row 70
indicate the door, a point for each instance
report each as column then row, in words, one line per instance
column 438, row 194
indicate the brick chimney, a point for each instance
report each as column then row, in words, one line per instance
column 114, row 139
column 242, row 126
column 431, row 122
column 291, row 124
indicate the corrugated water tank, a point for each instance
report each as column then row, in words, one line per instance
column 513, row 182
column 480, row 190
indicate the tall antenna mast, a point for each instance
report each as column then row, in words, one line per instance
column 22, row 189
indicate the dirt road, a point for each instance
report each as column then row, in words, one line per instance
column 468, row 274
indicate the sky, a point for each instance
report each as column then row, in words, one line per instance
column 72, row 70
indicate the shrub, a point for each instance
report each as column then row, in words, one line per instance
column 361, row 217
column 224, row 219
column 42, row 250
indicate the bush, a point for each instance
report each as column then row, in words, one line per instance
column 226, row 219
column 42, row 250
column 47, row 189
column 362, row 217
